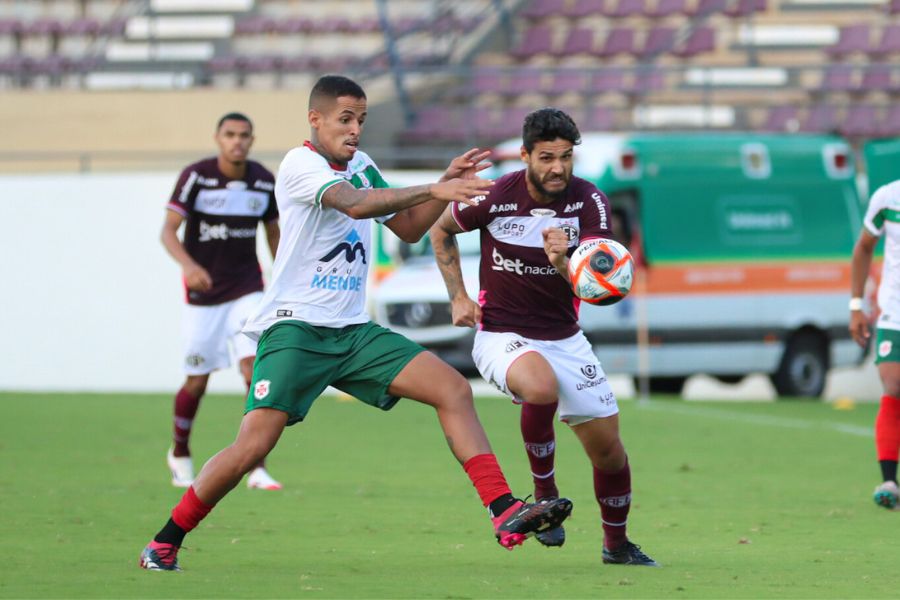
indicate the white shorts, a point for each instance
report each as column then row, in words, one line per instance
column 206, row 331
column 584, row 392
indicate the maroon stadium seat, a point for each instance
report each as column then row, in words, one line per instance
column 608, row 81
column 889, row 42
column 626, row 8
column 599, row 118
column 877, row 78
column 82, row 27
column 524, row 81
column 852, row 38
column 708, row 7
column 619, row 40
column 781, row 118
column 538, row 9
column 891, row 124
column 487, row 80
column 659, row 39
column 745, row 8
column 893, row 7
column 820, row 118
column 286, row 26
column 700, row 40
column 648, row 79
column 568, row 80
column 10, row 26
column 579, row 41
column 585, row 8
column 839, row 78
column 861, row 121
column 537, row 40
column 43, row 26
column 665, row 8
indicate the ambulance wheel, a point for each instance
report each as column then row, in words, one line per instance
column 804, row 366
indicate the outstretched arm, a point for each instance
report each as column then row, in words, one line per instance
column 411, row 224
column 466, row 312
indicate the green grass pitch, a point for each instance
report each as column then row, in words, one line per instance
column 755, row 500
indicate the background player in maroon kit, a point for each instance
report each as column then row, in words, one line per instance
column 222, row 200
column 528, row 342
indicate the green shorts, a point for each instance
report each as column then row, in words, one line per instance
column 887, row 345
column 295, row 362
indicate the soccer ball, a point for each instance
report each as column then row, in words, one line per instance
column 601, row 271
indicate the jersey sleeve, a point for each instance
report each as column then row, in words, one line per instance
column 471, row 217
column 182, row 200
column 305, row 176
column 595, row 216
column 876, row 212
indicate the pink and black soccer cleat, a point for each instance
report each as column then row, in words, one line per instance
column 160, row 557
column 520, row 521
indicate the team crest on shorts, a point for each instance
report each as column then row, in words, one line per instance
column 261, row 390
column 884, row 348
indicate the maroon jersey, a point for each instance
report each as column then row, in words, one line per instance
column 521, row 292
column 220, row 234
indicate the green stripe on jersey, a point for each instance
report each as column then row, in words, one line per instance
column 368, row 178
column 325, row 187
column 886, row 214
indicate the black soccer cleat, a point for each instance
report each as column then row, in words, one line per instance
column 628, row 554
column 522, row 520
column 552, row 538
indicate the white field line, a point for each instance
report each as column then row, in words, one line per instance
column 768, row 421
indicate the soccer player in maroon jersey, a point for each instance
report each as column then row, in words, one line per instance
column 528, row 342
column 221, row 200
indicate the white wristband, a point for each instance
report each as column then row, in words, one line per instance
column 856, row 304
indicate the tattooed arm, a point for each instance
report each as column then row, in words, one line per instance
column 466, row 312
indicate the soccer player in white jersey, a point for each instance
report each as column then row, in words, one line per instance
column 220, row 200
column 313, row 329
column 528, row 342
column 882, row 219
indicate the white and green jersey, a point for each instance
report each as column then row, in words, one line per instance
column 320, row 269
column 883, row 218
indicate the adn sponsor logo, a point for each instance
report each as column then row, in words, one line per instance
column 573, row 207
column 504, row 207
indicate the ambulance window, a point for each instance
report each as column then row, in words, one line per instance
column 625, row 222
column 755, row 161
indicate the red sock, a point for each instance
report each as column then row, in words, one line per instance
column 190, row 510
column 887, row 428
column 487, row 477
column 613, row 491
column 185, row 410
column 540, row 445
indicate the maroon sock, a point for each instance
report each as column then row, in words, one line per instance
column 613, row 491
column 188, row 513
column 185, row 410
column 540, row 445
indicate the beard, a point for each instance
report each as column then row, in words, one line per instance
column 539, row 186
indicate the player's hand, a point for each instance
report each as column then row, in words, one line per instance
column 467, row 165
column 859, row 327
column 556, row 245
column 466, row 312
column 461, row 190
column 197, row 279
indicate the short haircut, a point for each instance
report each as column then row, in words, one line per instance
column 546, row 125
column 234, row 116
column 332, row 87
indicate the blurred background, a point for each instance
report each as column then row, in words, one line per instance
column 102, row 102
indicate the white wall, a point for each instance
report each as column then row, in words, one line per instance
column 90, row 299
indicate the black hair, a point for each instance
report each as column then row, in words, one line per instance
column 546, row 125
column 332, row 87
column 234, row 116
